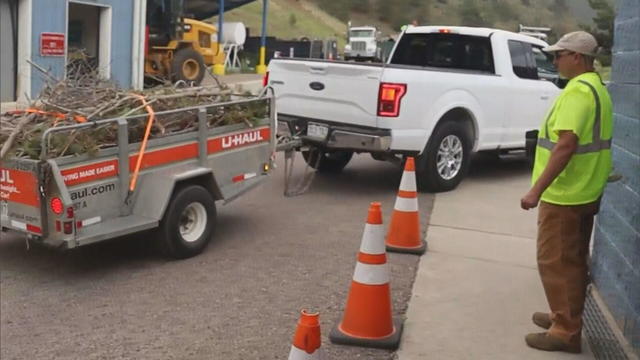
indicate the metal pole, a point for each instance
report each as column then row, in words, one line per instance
column 261, row 68
column 218, row 69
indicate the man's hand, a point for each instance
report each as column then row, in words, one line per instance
column 530, row 200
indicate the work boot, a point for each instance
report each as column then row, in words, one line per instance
column 546, row 342
column 542, row 319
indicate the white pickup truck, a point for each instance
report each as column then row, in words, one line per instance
column 444, row 93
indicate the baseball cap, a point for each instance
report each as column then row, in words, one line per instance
column 578, row 41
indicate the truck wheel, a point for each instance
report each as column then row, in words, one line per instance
column 187, row 65
column 329, row 162
column 446, row 158
column 188, row 222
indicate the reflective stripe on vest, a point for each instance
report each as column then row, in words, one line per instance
column 596, row 144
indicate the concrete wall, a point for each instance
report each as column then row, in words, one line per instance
column 616, row 256
column 51, row 16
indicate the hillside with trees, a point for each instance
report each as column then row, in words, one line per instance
column 560, row 15
column 322, row 19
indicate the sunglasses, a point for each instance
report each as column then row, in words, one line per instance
column 559, row 54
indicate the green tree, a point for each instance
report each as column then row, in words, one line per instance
column 505, row 12
column 385, row 10
column 470, row 14
column 603, row 29
column 360, row 6
column 292, row 20
column 559, row 6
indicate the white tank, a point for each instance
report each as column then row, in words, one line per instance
column 234, row 33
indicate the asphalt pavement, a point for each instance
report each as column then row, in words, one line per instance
column 270, row 257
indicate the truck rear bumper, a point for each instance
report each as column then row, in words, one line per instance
column 341, row 136
column 345, row 139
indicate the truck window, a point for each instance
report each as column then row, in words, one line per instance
column 445, row 51
column 522, row 60
column 546, row 69
column 360, row 33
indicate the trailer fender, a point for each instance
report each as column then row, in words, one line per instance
column 155, row 189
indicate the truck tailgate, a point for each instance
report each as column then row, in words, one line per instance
column 20, row 199
column 324, row 90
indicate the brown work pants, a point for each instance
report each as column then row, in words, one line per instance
column 564, row 233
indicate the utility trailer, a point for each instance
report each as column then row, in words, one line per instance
column 71, row 201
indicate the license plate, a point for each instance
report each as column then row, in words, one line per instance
column 317, row 131
column 4, row 208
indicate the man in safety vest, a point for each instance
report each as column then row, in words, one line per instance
column 572, row 164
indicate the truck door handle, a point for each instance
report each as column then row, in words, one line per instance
column 544, row 97
column 318, row 69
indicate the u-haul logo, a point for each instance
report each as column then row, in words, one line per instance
column 19, row 186
column 240, row 139
column 5, row 176
column 236, row 140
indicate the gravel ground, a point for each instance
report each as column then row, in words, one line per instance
column 271, row 256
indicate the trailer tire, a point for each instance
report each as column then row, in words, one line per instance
column 187, row 65
column 188, row 222
column 449, row 145
column 329, row 162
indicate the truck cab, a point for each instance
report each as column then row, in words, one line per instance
column 363, row 44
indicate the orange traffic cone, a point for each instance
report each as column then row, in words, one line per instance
column 306, row 341
column 404, row 229
column 367, row 317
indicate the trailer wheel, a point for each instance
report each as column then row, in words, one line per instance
column 187, row 65
column 446, row 158
column 188, row 222
column 329, row 162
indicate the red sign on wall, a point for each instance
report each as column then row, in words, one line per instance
column 51, row 44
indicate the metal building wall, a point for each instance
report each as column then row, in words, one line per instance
column 7, row 55
column 616, row 255
column 51, row 16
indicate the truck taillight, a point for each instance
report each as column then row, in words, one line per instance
column 70, row 212
column 389, row 99
column 56, row 206
column 265, row 79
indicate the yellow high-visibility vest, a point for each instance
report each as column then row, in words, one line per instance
column 584, row 107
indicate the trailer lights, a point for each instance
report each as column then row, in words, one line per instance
column 56, row 206
column 68, row 227
column 70, row 212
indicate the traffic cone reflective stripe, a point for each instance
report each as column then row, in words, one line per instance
column 306, row 341
column 367, row 319
column 404, row 229
column 408, row 205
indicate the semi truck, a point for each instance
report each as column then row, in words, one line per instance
column 362, row 44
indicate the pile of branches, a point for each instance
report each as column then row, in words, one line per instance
column 84, row 97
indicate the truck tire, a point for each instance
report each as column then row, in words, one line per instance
column 187, row 65
column 188, row 222
column 446, row 158
column 329, row 162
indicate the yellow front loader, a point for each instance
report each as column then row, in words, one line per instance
column 186, row 55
